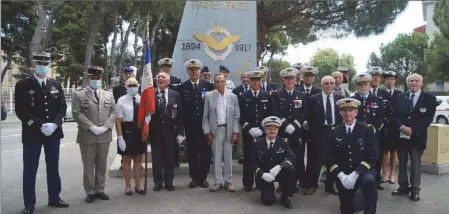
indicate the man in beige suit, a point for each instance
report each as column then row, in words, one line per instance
column 221, row 126
column 94, row 110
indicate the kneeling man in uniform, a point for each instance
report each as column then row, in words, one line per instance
column 273, row 160
column 350, row 156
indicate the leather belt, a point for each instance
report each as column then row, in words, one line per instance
column 222, row 125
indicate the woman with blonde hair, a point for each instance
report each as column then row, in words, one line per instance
column 129, row 135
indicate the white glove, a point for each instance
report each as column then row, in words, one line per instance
column 258, row 132
column 121, row 143
column 104, row 129
column 352, row 178
column 253, row 132
column 289, row 129
column 267, row 177
column 305, row 125
column 148, row 118
column 275, row 171
column 48, row 128
column 96, row 130
column 180, row 139
column 343, row 178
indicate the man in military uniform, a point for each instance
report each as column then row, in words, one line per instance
column 229, row 84
column 166, row 131
column 289, row 104
column 351, row 156
column 273, row 160
column 270, row 87
column 94, row 110
column 309, row 73
column 239, row 91
column 299, row 76
column 371, row 111
column 255, row 104
column 198, row 150
column 40, row 105
column 338, row 77
column 165, row 65
column 205, row 74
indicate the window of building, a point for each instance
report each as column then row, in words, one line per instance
column 439, row 85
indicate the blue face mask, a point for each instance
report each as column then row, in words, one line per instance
column 132, row 91
column 42, row 70
column 95, row 84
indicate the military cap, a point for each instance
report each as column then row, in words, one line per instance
column 264, row 69
column 289, row 72
column 307, row 69
column 348, row 103
column 375, row 71
column 363, row 77
column 192, row 63
column 165, row 62
column 389, row 74
column 95, row 71
column 205, row 69
column 255, row 75
column 127, row 69
column 298, row 66
column 272, row 121
column 42, row 57
column 223, row 68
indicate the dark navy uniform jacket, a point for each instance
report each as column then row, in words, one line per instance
column 253, row 110
column 263, row 159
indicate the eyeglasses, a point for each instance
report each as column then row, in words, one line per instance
column 328, row 83
column 42, row 63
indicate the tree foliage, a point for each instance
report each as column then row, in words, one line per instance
column 441, row 17
column 437, row 58
column 276, row 66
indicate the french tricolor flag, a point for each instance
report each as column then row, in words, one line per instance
column 147, row 101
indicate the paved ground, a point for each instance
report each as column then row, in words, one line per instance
column 183, row 200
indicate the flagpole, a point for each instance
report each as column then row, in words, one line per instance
column 146, row 143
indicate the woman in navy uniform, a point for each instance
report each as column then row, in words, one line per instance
column 128, row 134
column 351, row 155
column 273, row 160
column 40, row 105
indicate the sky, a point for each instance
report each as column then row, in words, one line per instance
column 361, row 48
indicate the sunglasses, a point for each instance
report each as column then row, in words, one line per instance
column 42, row 63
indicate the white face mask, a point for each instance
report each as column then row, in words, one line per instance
column 132, row 91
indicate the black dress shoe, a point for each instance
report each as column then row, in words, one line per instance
column 414, row 197
column 28, row 210
column 140, row 192
column 157, row 187
column 129, row 193
column 380, row 186
column 332, row 191
column 170, row 187
column 204, row 184
column 192, row 184
column 401, row 191
column 102, row 196
column 286, row 202
column 59, row 203
column 90, row 198
column 247, row 189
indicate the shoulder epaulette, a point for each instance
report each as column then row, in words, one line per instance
column 286, row 140
column 374, row 128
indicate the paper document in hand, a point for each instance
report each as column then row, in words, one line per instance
column 403, row 136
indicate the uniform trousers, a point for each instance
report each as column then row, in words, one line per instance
column 415, row 166
column 248, row 172
column 316, row 151
column 222, row 150
column 94, row 157
column 31, row 154
column 367, row 184
column 198, row 153
column 287, row 182
column 378, row 167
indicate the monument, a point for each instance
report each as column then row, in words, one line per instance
column 217, row 33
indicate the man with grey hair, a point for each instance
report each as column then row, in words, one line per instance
column 338, row 77
column 322, row 116
column 412, row 113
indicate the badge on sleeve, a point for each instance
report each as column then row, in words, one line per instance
column 422, row 110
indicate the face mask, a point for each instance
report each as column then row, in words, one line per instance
column 42, row 70
column 132, row 91
column 95, row 84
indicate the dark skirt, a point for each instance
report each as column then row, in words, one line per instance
column 132, row 136
column 389, row 139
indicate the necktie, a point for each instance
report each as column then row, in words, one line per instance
column 307, row 91
column 328, row 111
column 289, row 96
column 255, row 94
column 410, row 102
column 374, row 92
column 263, row 87
column 270, row 147
column 349, row 131
column 246, row 88
column 391, row 92
column 194, row 86
column 135, row 109
column 164, row 102
column 96, row 96
column 43, row 86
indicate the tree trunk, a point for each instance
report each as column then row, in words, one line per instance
column 269, row 65
column 106, row 66
column 9, row 59
column 37, row 40
column 125, row 41
column 261, row 31
column 113, row 72
column 136, row 37
column 47, row 37
column 91, row 42
column 156, row 26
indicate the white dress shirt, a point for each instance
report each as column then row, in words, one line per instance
column 125, row 107
column 221, row 108
column 268, row 142
column 305, row 89
column 390, row 91
column 415, row 99
column 197, row 82
column 39, row 80
column 166, row 95
column 350, row 126
column 258, row 91
column 331, row 98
